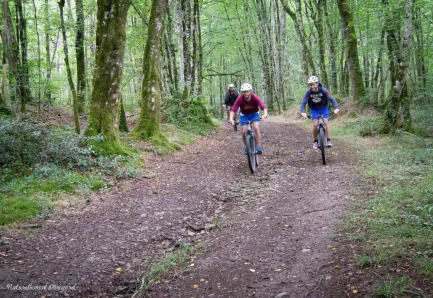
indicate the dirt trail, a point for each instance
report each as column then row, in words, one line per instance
column 280, row 224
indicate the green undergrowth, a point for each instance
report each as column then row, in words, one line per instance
column 393, row 224
column 170, row 263
column 190, row 114
column 40, row 166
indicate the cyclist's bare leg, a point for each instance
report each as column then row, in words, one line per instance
column 328, row 132
column 315, row 123
column 256, row 129
column 244, row 128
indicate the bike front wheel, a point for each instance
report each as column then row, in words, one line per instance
column 322, row 143
column 251, row 155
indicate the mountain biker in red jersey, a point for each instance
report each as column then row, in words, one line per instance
column 249, row 104
column 317, row 98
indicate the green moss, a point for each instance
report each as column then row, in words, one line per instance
column 162, row 144
column 17, row 209
column 107, row 147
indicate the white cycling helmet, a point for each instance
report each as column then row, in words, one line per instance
column 313, row 79
column 231, row 85
column 246, row 87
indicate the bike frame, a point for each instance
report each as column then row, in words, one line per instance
column 321, row 136
column 250, row 141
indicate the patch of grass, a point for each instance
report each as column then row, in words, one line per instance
column 364, row 261
column 15, row 209
column 177, row 135
column 397, row 220
column 170, row 262
column 26, row 196
column 424, row 262
column 394, row 287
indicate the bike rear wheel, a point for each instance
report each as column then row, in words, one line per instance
column 251, row 149
column 322, row 144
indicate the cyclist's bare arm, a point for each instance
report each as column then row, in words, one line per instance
column 232, row 114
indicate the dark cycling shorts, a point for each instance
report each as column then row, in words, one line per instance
column 251, row 117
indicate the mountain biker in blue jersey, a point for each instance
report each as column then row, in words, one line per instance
column 249, row 104
column 317, row 98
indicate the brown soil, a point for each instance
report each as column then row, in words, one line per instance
column 276, row 232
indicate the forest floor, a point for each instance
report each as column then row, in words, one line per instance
column 277, row 233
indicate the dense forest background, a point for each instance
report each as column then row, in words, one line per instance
column 127, row 73
column 358, row 49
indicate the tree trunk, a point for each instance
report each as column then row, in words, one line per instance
column 199, row 50
column 320, row 32
column 420, row 60
column 186, row 32
column 123, row 125
column 79, row 50
column 39, row 57
column 332, row 51
column 148, row 124
column 3, row 87
column 397, row 113
column 23, row 70
column 107, row 78
column 12, row 54
column 47, row 52
column 68, row 68
column 172, row 48
column 306, row 55
column 357, row 83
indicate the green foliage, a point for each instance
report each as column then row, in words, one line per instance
column 190, row 114
column 26, row 194
column 395, row 224
column 39, row 163
column 395, row 287
column 4, row 110
column 364, row 126
column 364, row 261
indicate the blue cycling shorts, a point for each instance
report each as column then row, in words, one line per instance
column 315, row 113
column 251, row 117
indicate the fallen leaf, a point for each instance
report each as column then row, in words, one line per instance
column 337, row 267
column 118, row 270
column 329, row 246
column 195, row 286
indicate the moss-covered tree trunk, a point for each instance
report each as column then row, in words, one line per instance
column 397, row 111
column 356, row 79
column 23, row 70
column 107, row 78
column 123, row 126
column 68, row 68
column 12, row 54
column 79, row 50
column 148, row 124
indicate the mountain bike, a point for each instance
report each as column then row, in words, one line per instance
column 250, row 144
column 321, row 140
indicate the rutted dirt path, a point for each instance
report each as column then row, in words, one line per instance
column 280, row 224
